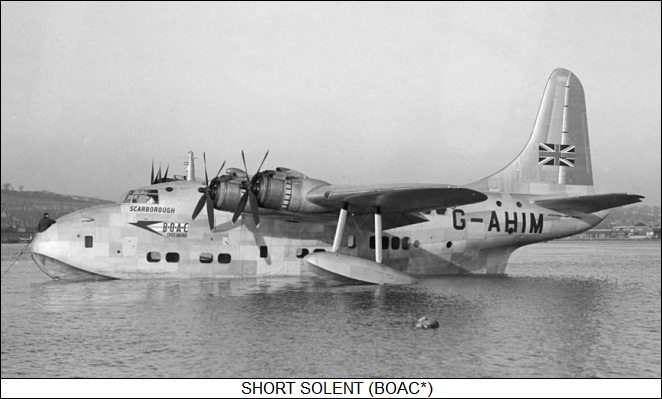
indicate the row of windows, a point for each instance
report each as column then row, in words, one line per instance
column 302, row 252
column 519, row 204
column 206, row 257
column 173, row 257
column 441, row 211
column 395, row 243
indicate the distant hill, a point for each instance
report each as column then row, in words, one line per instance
column 21, row 210
column 632, row 215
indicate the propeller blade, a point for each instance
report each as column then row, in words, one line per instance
column 204, row 157
column 151, row 180
column 257, row 174
column 198, row 207
column 221, row 169
column 210, row 210
column 158, row 175
column 240, row 206
column 206, row 194
column 254, row 208
column 165, row 176
column 263, row 159
column 244, row 159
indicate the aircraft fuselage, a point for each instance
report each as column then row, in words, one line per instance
column 141, row 240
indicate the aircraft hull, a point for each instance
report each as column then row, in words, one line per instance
column 116, row 242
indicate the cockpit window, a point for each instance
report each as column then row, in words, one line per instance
column 141, row 197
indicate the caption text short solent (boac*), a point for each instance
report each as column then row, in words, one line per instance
column 335, row 388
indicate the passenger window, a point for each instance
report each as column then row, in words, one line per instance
column 89, row 241
column 302, row 252
column 406, row 243
column 172, row 257
column 206, row 258
column 351, row 241
column 395, row 243
column 153, row 257
column 264, row 252
column 385, row 242
column 320, row 250
column 224, row 258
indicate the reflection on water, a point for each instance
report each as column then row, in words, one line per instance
column 565, row 309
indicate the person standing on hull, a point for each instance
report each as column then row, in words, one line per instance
column 44, row 223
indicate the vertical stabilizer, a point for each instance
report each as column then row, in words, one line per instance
column 190, row 170
column 557, row 158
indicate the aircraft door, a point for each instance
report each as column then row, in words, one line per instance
column 129, row 246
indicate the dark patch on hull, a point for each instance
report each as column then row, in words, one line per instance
column 59, row 270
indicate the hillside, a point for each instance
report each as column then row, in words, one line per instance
column 632, row 215
column 21, row 210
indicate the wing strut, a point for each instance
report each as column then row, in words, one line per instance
column 341, row 226
column 378, row 231
column 378, row 235
column 352, row 267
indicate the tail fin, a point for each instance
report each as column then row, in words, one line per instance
column 557, row 159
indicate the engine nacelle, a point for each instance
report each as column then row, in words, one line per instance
column 278, row 190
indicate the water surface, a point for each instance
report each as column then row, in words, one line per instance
column 564, row 309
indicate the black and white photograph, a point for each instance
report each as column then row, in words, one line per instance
column 306, row 199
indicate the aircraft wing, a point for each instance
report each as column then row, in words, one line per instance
column 394, row 198
column 390, row 220
column 588, row 203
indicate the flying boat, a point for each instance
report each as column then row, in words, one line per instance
column 280, row 222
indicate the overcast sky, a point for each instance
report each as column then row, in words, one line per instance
column 344, row 92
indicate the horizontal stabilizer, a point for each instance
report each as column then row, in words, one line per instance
column 358, row 269
column 588, row 203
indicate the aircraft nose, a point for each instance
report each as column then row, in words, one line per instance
column 42, row 242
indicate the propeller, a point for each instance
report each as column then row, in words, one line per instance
column 208, row 192
column 158, row 178
column 249, row 194
column 165, row 175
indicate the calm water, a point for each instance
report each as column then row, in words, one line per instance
column 565, row 309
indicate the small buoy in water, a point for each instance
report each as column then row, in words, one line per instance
column 426, row 322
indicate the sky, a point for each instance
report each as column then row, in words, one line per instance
column 344, row 92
